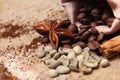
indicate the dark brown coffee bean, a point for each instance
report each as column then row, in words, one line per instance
column 63, row 24
column 97, row 17
column 94, row 31
column 73, row 28
column 81, row 15
column 100, row 37
column 93, row 24
column 67, row 46
column 96, row 11
column 93, row 45
column 110, row 21
column 91, row 38
column 96, row 14
column 82, row 44
column 84, row 21
column 106, row 14
column 82, row 10
column 65, row 41
column 42, row 32
column 90, row 18
column 84, row 27
column 76, row 39
column 45, row 40
column 100, row 23
column 82, row 31
column 85, row 36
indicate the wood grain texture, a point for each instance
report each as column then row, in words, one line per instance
column 17, row 48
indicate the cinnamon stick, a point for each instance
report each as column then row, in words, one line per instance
column 110, row 47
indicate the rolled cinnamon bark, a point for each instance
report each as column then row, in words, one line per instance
column 110, row 47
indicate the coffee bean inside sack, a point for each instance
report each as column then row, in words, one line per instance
column 75, row 48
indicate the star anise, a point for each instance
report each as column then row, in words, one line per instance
column 53, row 31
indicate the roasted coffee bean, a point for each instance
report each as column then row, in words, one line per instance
column 42, row 32
column 67, row 46
column 85, row 35
column 97, row 17
column 91, row 38
column 65, row 41
column 94, row 31
column 93, row 45
column 73, row 28
column 106, row 14
column 76, row 39
column 82, row 44
column 85, row 21
column 100, row 23
column 81, row 15
column 96, row 11
column 100, row 37
column 93, row 24
column 110, row 21
column 82, row 10
column 82, row 31
column 90, row 18
column 84, row 27
column 63, row 24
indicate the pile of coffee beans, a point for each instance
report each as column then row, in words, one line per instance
column 89, row 17
column 87, row 36
column 94, row 17
column 95, row 14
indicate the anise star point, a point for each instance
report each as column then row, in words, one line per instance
column 51, row 28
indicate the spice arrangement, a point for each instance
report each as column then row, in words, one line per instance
column 65, row 33
column 77, row 48
column 69, row 35
column 51, row 30
column 20, row 42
